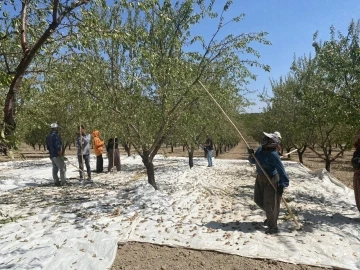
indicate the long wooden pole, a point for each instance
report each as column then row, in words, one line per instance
column 81, row 150
column 113, row 165
column 253, row 155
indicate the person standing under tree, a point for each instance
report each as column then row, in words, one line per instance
column 54, row 145
column 277, row 134
column 83, row 151
column 355, row 161
column 209, row 146
column 98, row 149
column 113, row 154
column 268, row 195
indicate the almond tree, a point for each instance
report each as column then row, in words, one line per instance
column 35, row 28
column 320, row 92
column 162, row 66
column 340, row 58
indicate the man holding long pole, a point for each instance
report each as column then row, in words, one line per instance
column 83, row 153
column 251, row 152
column 265, row 196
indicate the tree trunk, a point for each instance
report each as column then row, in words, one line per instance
column 172, row 148
column 301, row 151
column 149, row 170
column 69, row 146
column 9, row 108
column 300, row 155
column 184, row 145
column 327, row 164
column 217, row 151
column 39, row 146
column 127, row 148
column 63, row 148
column 191, row 157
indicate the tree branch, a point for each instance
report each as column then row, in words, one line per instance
column 137, row 150
column 26, row 60
column 337, row 155
column 317, row 153
column 55, row 9
column 7, row 65
column 24, row 6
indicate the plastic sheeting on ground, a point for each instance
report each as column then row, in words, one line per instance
column 78, row 227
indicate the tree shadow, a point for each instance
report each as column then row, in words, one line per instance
column 241, row 226
column 131, row 167
column 31, row 163
column 34, row 264
column 246, row 191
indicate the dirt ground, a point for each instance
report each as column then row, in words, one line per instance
column 133, row 256
column 138, row 256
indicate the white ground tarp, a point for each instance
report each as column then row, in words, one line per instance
column 78, row 227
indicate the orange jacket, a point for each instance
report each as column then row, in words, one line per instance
column 98, row 143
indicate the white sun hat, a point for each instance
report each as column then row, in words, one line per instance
column 272, row 136
column 54, row 125
column 269, row 135
column 277, row 133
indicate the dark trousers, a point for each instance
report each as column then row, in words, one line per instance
column 114, row 160
column 87, row 164
column 99, row 164
column 267, row 198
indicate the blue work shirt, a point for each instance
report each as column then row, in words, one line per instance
column 272, row 164
column 54, row 144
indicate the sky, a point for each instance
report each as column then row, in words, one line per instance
column 290, row 25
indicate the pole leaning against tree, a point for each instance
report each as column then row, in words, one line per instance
column 253, row 155
column 81, row 149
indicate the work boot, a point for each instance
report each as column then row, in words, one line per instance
column 272, row 231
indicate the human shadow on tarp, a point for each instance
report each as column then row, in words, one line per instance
column 318, row 218
column 241, row 226
column 318, row 199
column 323, row 221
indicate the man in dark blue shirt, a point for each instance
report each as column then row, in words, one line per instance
column 54, row 145
column 268, row 195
